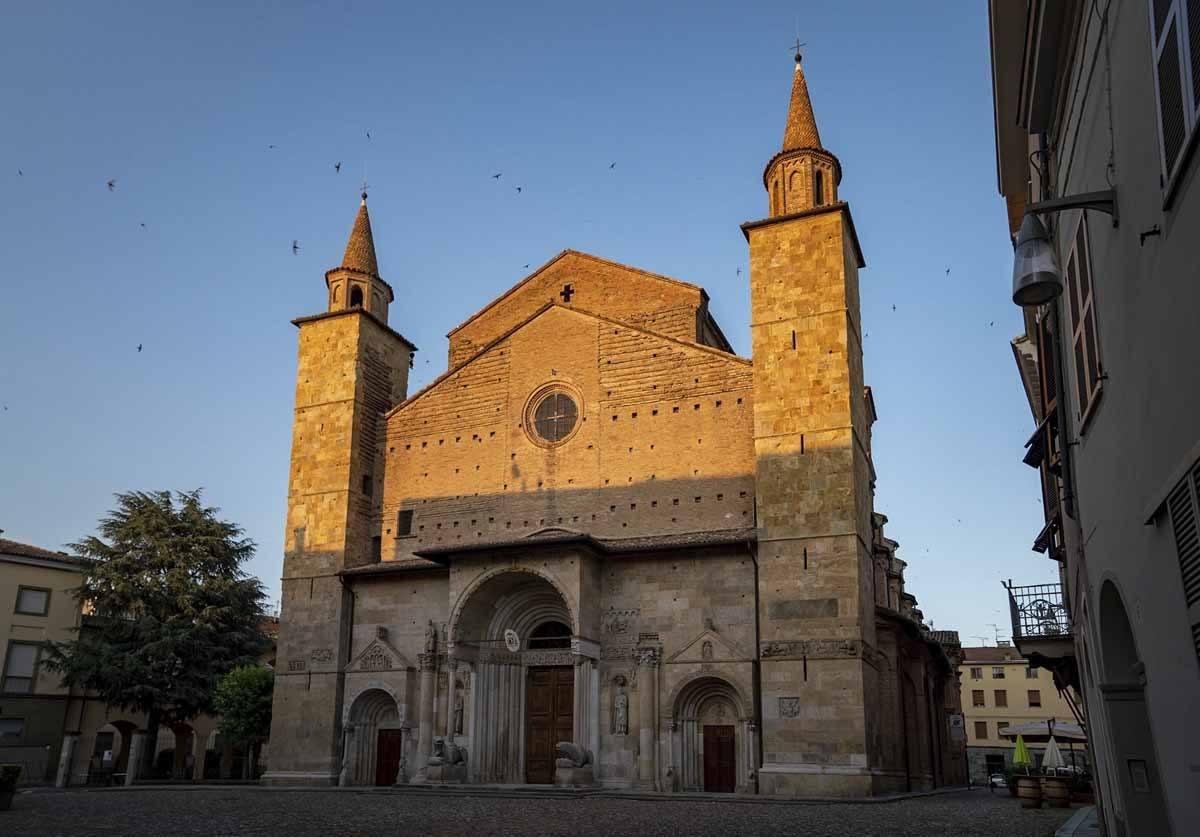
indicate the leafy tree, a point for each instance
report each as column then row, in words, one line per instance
column 243, row 699
column 168, row 609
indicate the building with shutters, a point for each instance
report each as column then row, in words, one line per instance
column 601, row 526
column 1097, row 106
column 1001, row 689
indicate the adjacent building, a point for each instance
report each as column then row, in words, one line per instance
column 36, row 605
column 602, row 526
column 1000, row 689
column 1097, row 109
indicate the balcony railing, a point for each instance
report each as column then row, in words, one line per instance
column 1038, row 611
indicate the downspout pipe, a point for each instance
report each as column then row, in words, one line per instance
column 756, row 670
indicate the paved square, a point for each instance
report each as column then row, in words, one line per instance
column 297, row 813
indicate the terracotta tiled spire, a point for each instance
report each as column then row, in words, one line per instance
column 360, row 249
column 801, row 129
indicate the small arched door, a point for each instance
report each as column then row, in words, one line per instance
column 1124, row 691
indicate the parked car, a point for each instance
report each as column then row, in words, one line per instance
column 996, row 780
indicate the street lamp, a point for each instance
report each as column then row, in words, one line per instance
column 1037, row 278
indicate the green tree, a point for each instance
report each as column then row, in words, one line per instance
column 243, row 699
column 168, row 608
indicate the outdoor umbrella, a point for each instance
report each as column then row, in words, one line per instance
column 1021, row 757
column 1052, row 758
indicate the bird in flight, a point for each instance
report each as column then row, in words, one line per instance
column 612, row 165
column 270, row 146
column 295, row 247
column 992, row 323
column 19, row 174
column 518, row 190
column 112, row 184
column 893, row 307
column 368, row 134
column 139, row 347
column 739, row 273
column 337, row 167
column 947, row 271
column 496, row 176
column 527, row 267
column 142, row 225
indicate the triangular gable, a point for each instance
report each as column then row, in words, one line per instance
column 720, row 650
column 570, row 255
column 379, row 655
column 454, row 370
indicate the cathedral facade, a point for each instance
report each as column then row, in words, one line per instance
column 601, row 526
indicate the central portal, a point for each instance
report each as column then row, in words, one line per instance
column 549, row 718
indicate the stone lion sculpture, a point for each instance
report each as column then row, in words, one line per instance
column 571, row 755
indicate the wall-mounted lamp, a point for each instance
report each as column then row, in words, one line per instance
column 1037, row 278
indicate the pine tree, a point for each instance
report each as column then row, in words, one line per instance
column 167, row 608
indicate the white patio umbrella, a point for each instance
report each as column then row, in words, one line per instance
column 1059, row 729
column 1052, row 758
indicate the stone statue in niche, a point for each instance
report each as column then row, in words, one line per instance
column 458, row 709
column 706, row 650
column 620, row 722
column 430, row 637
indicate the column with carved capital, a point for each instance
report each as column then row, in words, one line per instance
column 428, row 664
column 647, row 662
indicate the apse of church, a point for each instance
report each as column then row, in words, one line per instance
column 602, row 548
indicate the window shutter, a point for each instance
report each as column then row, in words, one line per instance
column 1184, row 520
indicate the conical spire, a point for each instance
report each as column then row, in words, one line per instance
column 360, row 249
column 801, row 128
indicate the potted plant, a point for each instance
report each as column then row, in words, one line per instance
column 9, row 773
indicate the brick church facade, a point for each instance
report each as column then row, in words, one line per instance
column 602, row 526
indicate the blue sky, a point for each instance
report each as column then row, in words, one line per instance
column 181, row 105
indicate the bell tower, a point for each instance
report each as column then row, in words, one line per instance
column 813, row 480
column 351, row 369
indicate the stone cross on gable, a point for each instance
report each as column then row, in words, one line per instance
column 567, row 292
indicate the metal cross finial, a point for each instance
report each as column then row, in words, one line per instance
column 796, row 48
column 364, row 189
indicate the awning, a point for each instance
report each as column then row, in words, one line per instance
column 1063, row 730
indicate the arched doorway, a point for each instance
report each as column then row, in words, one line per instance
column 1124, row 691
column 374, row 740
column 711, row 737
column 530, row 690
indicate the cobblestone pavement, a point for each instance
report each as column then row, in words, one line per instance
column 292, row 813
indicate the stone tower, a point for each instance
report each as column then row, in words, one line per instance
column 813, row 475
column 351, row 369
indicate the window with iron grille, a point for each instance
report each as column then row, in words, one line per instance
column 1175, row 38
column 555, row 416
column 981, row 730
column 1035, row 698
column 1001, row 697
column 1183, row 503
column 1081, row 310
column 977, row 697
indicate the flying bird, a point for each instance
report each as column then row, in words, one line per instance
column 19, row 174
column 142, row 225
column 518, row 190
column 496, row 176
column 112, row 184
column 139, row 347
column 368, row 134
column 739, row 273
column 893, row 306
column 337, row 167
column 992, row 323
column 527, row 267
column 270, row 146
column 612, row 165
column 295, row 247
column 947, row 271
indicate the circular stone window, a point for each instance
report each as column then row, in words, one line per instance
column 554, row 417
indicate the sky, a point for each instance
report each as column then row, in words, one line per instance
column 221, row 127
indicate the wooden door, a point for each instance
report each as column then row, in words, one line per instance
column 387, row 756
column 720, row 759
column 549, row 718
